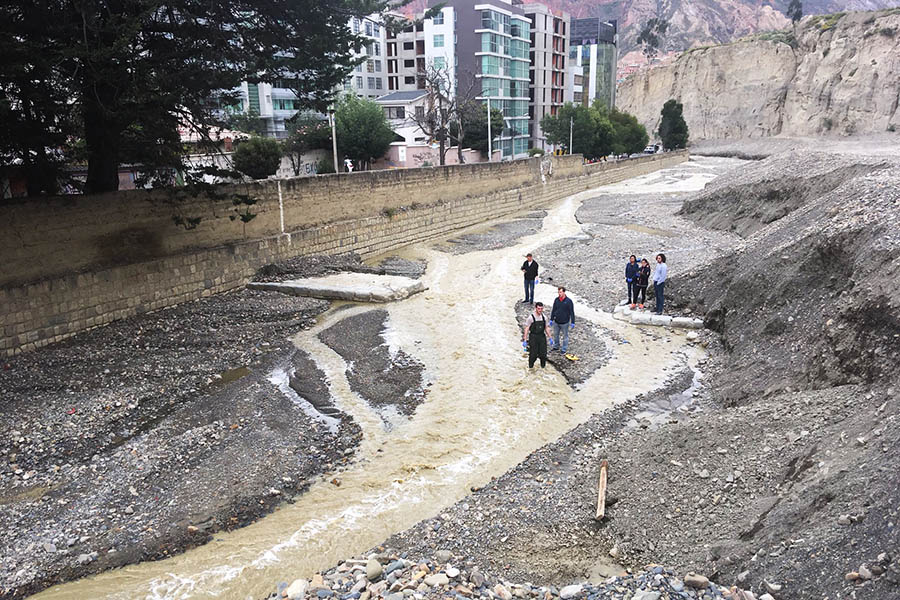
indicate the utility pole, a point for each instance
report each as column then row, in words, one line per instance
column 331, row 119
column 490, row 148
column 571, row 123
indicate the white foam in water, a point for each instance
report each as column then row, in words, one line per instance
column 280, row 378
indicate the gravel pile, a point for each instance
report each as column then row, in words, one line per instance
column 813, row 299
column 501, row 235
column 384, row 379
column 763, row 193
column 391, row 576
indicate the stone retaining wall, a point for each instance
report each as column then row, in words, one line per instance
column 70, row 264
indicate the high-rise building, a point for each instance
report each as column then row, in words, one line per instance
column 405, row 57
column 593, row 47
column 275, row 101
column 488, row 43
column 548, row 71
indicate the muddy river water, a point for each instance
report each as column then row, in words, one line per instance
column 485, row 413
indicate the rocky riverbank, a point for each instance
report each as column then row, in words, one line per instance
column 140, row 439
column 775, row 477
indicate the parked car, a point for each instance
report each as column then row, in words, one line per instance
column 651, row 149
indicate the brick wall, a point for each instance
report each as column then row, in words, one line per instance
column 70, row 264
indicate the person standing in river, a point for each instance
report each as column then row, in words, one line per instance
column 642, row 280
column 562, row 319
column 537, row 330
column 631, row 270
column 530, row 268
column 659, row 281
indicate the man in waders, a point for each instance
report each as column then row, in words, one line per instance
column 537, row 330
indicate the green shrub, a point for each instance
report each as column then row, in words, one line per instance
column 535, row 152
column 257, row 157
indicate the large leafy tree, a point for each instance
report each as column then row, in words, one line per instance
column 592, row 133
column 122, row 76
column 473, row 116
column 673, row 130
column 306, row 132
column 363, row 133
column 257, row 157
column 629, row 136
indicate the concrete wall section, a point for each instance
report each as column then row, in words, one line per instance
column 55, row 305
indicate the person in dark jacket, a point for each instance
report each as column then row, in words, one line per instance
column 642, row 281
column 631, row 270
column 530, row 268
column 562, row 319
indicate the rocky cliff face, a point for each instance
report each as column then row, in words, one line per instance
column 840, row 75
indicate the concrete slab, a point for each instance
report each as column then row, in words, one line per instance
column 687, row 322
column 357, row 287
column 640, row 318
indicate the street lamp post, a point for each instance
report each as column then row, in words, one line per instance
column 571, row 123
column 490, row 145
column 331, row 119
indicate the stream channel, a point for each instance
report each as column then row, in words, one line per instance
column 485, row 413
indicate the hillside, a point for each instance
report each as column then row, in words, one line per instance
column 839, row 76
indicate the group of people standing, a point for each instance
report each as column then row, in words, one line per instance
column 543, row 333
column 637, row 278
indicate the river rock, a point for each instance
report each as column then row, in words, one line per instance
column 297, row 590
column 442, row 555
column 502, row 592
column 570, row 591
column 696, row 581
column 452, row 572
column 48, row 547
column 84, row 559
column 373, row 569
column 477, row 579
column 864, row 573
column 437, row 579
column 646, row 595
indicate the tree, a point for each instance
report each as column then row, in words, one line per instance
column 795, row 11
column 257, row 157
column 306, row 132
column 673, row 130
column 473, row 116
column 124, row 76
column 592, row 133
column 440, row 107
column 363, row 133
column 629, row 136
column 651, row 36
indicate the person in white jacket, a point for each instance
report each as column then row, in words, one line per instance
column 659, row 281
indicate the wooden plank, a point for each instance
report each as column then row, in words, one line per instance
column 601, row 491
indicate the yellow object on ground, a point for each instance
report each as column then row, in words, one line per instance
column 572, row 357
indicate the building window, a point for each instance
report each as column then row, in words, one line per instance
column 370, row 66
column 348, row 83
column 438, row 18
column 359, row 82
column 355, row 25
column 376, row 30
column 409, row 63
column 440, row 62
column 420, row 112
column 439, row 41
column 409, row 80
column 368, row 28
column 395, row 112
column 378, row 66
column 378, row 84
column 409, row 45
column 377, row 48
column 371, row 83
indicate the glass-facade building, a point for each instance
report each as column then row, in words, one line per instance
column 593, row 47
column 503, row 64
